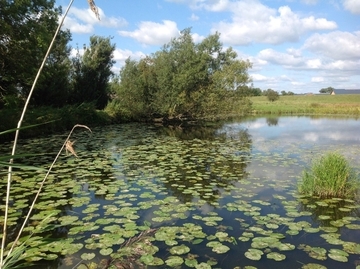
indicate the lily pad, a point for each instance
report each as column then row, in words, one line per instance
column 253, row 254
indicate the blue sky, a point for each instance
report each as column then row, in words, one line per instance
column 294, row 45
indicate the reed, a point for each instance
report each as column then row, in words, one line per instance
column 5, row 262
column 330, row 176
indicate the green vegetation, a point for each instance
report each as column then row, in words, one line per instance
column 327, row 90
column 182, row 80
column 308, row 104
column 330, row 176
column 271, row 95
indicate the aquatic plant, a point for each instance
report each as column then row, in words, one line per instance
column 330, row 176
column 4, row 261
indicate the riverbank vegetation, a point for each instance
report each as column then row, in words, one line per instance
column 347, row 104
column 330, row 176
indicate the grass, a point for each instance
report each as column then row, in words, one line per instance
column 330, row 176
column 347, row 104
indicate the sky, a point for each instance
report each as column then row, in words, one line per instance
column 294, row 45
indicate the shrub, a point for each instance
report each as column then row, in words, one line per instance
column 330, row 176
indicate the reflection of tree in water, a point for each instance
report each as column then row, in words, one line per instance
column 326, row 211
column 206, row 162
column 272, row 121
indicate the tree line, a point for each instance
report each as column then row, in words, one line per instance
column 182, row 79
column 26, row 29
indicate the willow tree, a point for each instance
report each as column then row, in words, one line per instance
column 187, row 78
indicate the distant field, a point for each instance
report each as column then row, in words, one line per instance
column 347, row 104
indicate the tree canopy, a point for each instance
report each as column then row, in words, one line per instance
column 26, row 29
column 327, row 90
column 183, row 78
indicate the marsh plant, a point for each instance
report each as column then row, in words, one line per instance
column 330, row 176
column 11, row 257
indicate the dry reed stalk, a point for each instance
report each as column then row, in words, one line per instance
column 94, row 8
column 69, row 147
column 41, row 186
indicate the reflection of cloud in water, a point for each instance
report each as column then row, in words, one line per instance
column 313, row 137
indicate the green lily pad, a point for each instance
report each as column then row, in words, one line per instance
column 253, row 254
column 174, row 261
column 179, row 250
column 276, row 256
column 87, row 256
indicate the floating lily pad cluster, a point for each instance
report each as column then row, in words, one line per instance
column 137, row 196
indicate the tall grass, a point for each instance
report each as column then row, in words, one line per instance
column 330, row 176
column 6, row 262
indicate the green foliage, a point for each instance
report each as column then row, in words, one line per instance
column 330, row 176
column 92, row 71
column 183, row 78
column 63, row 119
column 287, row 93
column 327, row 90
column 346, row 104
column 26, row 29
column 271, row 95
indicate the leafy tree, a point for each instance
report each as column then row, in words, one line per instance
column 26, row 29
column 53, row 87
column 92, row 72
column 184, row 78
column 327, row 90
column 287, row 93
column 272, row 95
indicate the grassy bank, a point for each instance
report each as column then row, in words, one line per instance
column 60, row 119
column 308, row 104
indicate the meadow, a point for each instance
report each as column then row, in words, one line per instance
column 308, row 104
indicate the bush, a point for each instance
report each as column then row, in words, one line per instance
column 272, row 95
column 330, row 176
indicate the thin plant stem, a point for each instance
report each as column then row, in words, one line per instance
column 17, row 135
column 41, row 186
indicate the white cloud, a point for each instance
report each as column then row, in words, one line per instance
column 335, row 45
column 194, row 17
column 121, row 55
column 76, row 27
column 252, row 21
column 152, row 33
column 197, row 38
column 82, row 21
column 317, row 79
column 259, row 77
column 279, row 58
column 313, row 64
column 352, row 5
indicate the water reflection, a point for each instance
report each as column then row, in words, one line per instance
column 234, row 177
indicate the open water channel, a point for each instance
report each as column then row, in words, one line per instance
column 221, row 196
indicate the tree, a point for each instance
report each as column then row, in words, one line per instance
column 26, row 29
column 327, row 90
column 92, row 72
column 287, row 93
column 53, row 87
column 272, row 95
column 184, row 78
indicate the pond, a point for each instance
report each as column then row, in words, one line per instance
column 220, row 196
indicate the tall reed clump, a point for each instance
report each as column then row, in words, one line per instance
column 10, row 257
column 330, row 176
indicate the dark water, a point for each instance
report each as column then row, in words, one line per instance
column 233, row 181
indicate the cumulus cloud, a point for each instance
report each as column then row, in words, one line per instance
column 280, row 58
column 82, row 21
column 317, row 79
column 335, row 45
column 352, row 5
column 255, row 22
column 120, row 55
column 194, row 17
column 152, row 33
